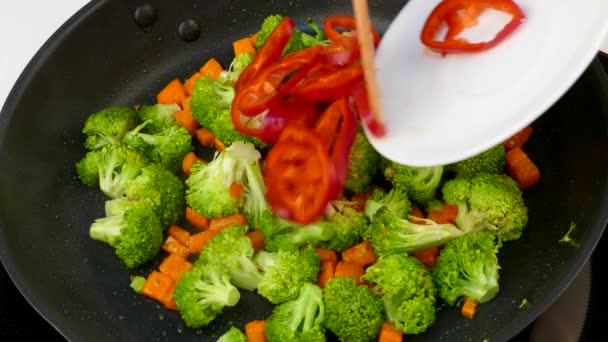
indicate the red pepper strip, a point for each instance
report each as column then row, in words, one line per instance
column 448, row 12
column 298, row 175
column 341, row 53
column 327, row 88
column 268, row 87
column 269, row 53
column 286, row 113
column 347, row 22
column 359, row 96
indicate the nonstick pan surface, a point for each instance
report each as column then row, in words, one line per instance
column 101, row 57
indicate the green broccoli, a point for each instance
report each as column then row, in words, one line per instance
column 202, row 293
column 407, row 291
column 391, row 234
column 396, row 200
column 238, row 64
column 490, row 161
column 158, row 116
column 233, row 334
column 118, row 206
column 468, row 267
column 108, row 126
column 111, row 168
column 349, row 225
column 286, row 235
column 362, row 166
column 295, row 43
column 420, row 183
column 232, row 249
column 210, row 103
column 300, row 319
column 167, row 147
column 319, row 37
column 165, row 190
column 137, row 284
column 136, row 235
column 353, row 313
column 488, row 201
column 285, row 272
column 208, row 187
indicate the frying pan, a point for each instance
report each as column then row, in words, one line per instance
column 101, row 57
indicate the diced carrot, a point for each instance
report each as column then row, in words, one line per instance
column 178, row 233
column 171, row 245
column 186, row 103
column 174, row 266
column 469, row 308
column 326, row 272
column 349, row 270
column 185, row 119
column 168, row 301
column 197, row 241
column 189, row 84
column 388, row 333
column 447, row 214
column 205, row 137
column 428, row 256
column 518, row 139
column 327, row 255
column 189, row 159
column 243, row 45
column 257, row 240
column 361, row 199
column 219, row 145
column 256, row 331
column 361, row 254
column 254, row 37
column 197, row 220
column 157, row 285
column 212, row 68
column 521, row 168
column 236, row 190
column 174, row 92
column 219, row 223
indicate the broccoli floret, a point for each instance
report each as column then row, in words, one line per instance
column 353, row 313
column 319, row 37
column 468, row 267
column 165, row 190
column 362, row 166
column 233, row 334
column 285, row 272
column 167, row 147
column 111, row 168
column 238, row 64
column 420, row 183
column 488, row 201
column 300, row 319
column 136, row 235
column 395, row 200
column 232, row 249
column 407, row 291
column 295, row 43
column 287, row 235
column 158, row 116
column 208, row 187
column 108, row 126
column 392, row 234
column 211, row 101
column 349, row 225
column 202, row 293
column 137, row 284
column 490, row 161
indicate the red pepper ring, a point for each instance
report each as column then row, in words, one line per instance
column 267, row 88
column 269, row 53
column 329, row 87
column 346, row 22
column 298, row 175
column 448, row 10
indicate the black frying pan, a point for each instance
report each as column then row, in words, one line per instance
column 101, row 57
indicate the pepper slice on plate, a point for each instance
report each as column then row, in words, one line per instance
column 459, row 14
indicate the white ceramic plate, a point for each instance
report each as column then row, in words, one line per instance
column 443, row 109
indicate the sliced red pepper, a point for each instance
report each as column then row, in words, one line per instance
column 331, row 86
column 269, row 53
column 346, row 22
column 285, row 113
column 270, row 86
column 298, row 175
column 359, row 96
column 458, row 14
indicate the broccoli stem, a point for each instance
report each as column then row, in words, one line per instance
column 218, row 292
column 246, row 275
column 265, row 259
column 412, row 242
column 308, row 309
column 107, row 229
